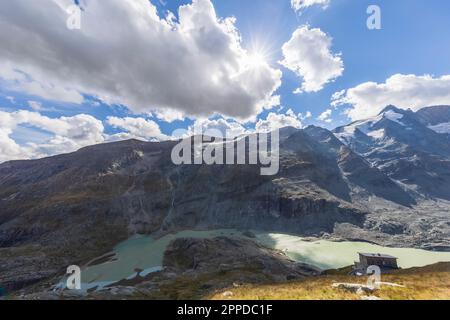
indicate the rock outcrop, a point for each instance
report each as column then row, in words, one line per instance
column 225, row 255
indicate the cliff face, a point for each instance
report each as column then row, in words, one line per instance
column 70, row 208
column 133, row 187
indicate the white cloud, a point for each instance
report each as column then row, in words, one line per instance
column 169, row 115
column 137, row 128
column 227, row 127
column 126, row 54
column 35, row 105
column 45, row 136
column 38, row 85
column 66, row 134
column 9, row 149
column 325, row 116
column 404, row 91
column 308, row 54
column 230, row 128
column 277, row 121
column 299, row 5
column 305, row 116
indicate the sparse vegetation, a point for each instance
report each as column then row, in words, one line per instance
column 429, row 283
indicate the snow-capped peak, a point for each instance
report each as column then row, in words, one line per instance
column 394, row 116
column 370, row 126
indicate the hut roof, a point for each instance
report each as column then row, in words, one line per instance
column 377, row 255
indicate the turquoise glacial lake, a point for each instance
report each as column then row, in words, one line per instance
column 145, row 253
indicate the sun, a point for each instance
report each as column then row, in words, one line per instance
column 258, row 55
column 255, row 60
column 258, row 58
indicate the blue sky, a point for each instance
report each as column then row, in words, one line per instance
column 413, row 40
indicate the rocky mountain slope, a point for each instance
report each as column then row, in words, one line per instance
column 436, row 118
column 370, row 181
column 403, row 145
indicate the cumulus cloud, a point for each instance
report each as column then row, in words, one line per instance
column 226, row 128
column 126, row 54
column 9, row 149
column 38, row 85
column 42, row 136
column 305, row 116
column 65, row 134
column 230, row 128
column 47, row 136
column 308, row 54
column 299, row 5
column 277, row 121
column 325, row 116
column 136, row 128
column 404, row 91
column 169, row 115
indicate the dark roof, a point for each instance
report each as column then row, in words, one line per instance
column 377, row 255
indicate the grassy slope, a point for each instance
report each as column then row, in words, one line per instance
column 428, row 283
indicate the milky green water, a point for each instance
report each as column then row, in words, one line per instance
column 331, row 255
column 141, row 252
column 146, row 253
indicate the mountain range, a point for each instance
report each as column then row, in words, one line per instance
column 384, row 180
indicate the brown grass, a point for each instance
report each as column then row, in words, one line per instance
column 429, row 283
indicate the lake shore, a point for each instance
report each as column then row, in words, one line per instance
column 145, row 253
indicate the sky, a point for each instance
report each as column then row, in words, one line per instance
column 122, row 69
